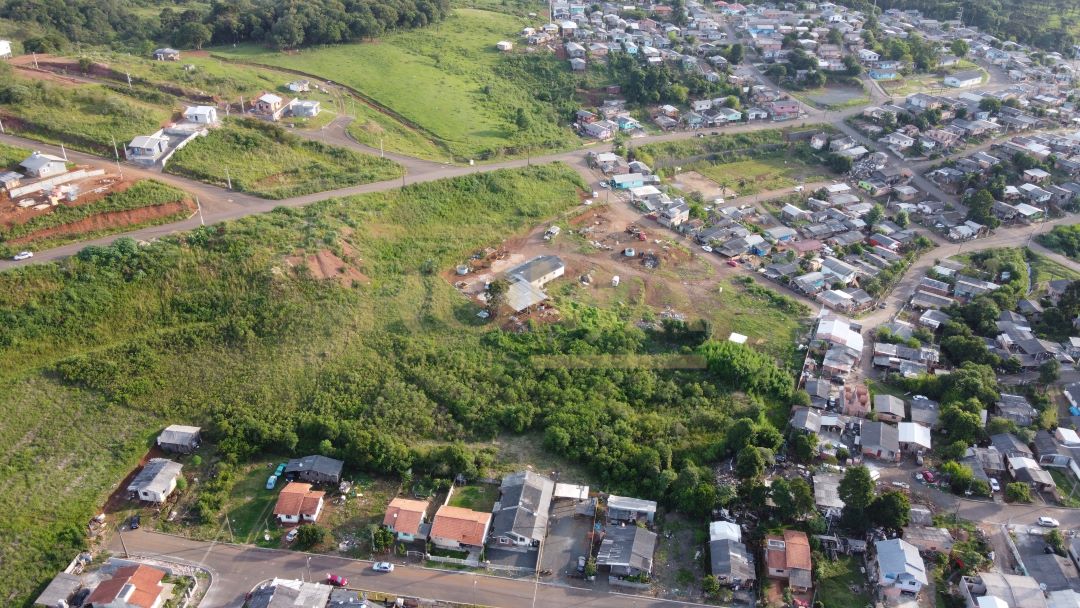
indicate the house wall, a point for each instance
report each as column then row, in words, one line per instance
column 446, row 543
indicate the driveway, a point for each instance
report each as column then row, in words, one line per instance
column 567, row 539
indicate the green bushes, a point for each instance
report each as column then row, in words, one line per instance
column 265, row 160
column 1062, row 239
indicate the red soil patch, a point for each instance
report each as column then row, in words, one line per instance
column 103, row 221
column 13, row 215
column 118, row 500
column 326, row 265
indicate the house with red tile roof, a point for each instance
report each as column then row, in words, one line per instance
column 130, row 587
column 459, row 528
column 405, row 518
column 788, row 558
column 298, row 503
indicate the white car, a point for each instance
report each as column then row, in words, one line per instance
column 23, row 255
column 383, row 567
column 706, row 248
column 1047, row 522
column 994, row 485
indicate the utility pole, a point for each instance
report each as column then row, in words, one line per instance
column 35, row 61
column 116, row 154
column 228, row 178
column 382, row 154
column 129, row 79
column 2, row 131
column 202, row 222
column 63, row 152
column 120, row 533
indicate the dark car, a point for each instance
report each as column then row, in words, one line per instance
column 134, row 522
column 80, row 597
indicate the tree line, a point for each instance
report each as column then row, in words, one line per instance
column 277, row 23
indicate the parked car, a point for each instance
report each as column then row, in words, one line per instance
column 280, row 469
column 383, row 567
column 134, row 522
column 336, row 580
column 928, row 476
column 291, row 536
column 1047, row 522
column 581, row 563
column 994, row 485
column 23, row 255
column 706, row 249
column 271, row 482
column 732, row 263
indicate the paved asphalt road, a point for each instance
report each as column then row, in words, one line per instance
column 237, row 569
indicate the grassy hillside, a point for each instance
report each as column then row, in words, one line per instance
column 445, row 79
column 265, row 160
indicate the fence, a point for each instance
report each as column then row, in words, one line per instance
column 471, row 563
column 615, row 581
column 45, row 184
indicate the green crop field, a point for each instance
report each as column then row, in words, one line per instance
column 760, row 174
column 265, row 160
column 443, row 79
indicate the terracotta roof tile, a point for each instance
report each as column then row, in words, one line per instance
column 145, row 580
column 405, row 515
column 463, row 525
column 298, row 499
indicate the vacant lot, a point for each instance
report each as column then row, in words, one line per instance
column 378, row 129
column 442, row 79
column 760, row 175
column 10, row 156
column 266, row 161
column 835, row 97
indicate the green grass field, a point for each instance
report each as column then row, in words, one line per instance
column 478, row 498
column 376, row 129
column 441, row 78
column 760, row 174
column 264, row 160
column 87, row 118
column 1044, row 269
column 835, row 581
column 11, row 156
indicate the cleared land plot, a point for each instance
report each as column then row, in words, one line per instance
column 835, row 97
column 377, row 129
column 266, row 161
column 1044, row 269
column 760, row 175
column 10, row 156
column 442, row 79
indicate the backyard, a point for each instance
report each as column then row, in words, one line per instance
column 478, row 498
column 264, row 160
column 840, row 584
column 443, row 79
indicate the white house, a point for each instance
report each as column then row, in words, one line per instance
column 156, row 481
column 504, row 46
column 305, row 108
column 44, row 165
column 203, row 115
column 147, row 148
column 899, row 566
column 298, row 503
column 868, row 56
column 967, row 78
column 5, row 48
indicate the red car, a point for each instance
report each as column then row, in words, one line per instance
column 928, row 476
column 335, row 580
column 732, row 263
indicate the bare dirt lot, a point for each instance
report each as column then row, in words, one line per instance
column 692, row 181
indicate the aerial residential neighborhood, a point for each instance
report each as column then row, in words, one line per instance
column 659, row 304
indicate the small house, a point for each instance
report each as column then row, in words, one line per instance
column 967, row 78
column 269, row 105
column 459, row 528
column 627, row 551
column 899, row 567
column 314, row 469
column 298, row 503
column 788, row 558
column 306, row 108
column 202, row 115
column 147, row 148
column 299, row 86
column 504, row 45
column 156, row 481
column 880, row 440
column 5, row 49
column 179, row 439
column 731, row 563
column 520, row 518
column 405, row 518
column 623, row 509
column 44, row 165
column 167, row 54
column 130, row 586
